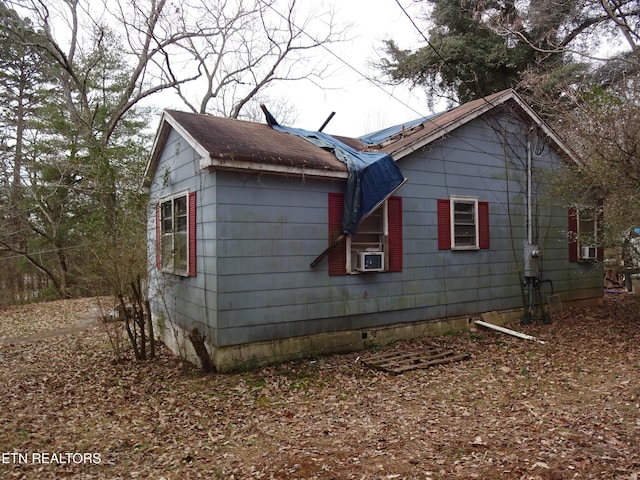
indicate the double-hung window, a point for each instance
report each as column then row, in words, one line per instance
column 175, row 234
column 585, row 225
column 366, row 247
column 463, row 223
column 377, row 245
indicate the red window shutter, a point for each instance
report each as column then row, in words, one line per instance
column 191, row 248
column 158, row 237
column 394, row 211
column 444, row 225
column 572, row 234
column 337, row 256
column 483, row 225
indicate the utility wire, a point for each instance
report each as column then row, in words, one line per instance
column 421, row 115
column 34, row 254
column 445, row 62
column 419, row 30
column 341, row 60
column 358, row 72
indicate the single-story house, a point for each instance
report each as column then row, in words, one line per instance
column 248, row 244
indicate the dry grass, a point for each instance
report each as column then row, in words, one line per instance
column 516, row 410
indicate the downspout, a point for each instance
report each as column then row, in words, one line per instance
column 529, row 261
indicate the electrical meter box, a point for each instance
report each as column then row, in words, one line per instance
column 531, row 257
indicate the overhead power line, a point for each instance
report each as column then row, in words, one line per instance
column 343, row 61
column 444, row 61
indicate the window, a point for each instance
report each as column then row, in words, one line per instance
column 585, row 225
column 376, row 247
column 464, row 227
column 367, row 245
column 463, row 224
column 176, row 234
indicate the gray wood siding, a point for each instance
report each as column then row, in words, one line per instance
column 257, row 235
column 270, row 228
column 188, row 301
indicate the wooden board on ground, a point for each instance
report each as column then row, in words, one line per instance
column 397, row 362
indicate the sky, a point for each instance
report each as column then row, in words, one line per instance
column 361, row 106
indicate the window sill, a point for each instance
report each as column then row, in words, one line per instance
column 177, row 273
column 369, row 272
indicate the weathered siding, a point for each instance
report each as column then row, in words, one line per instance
column 257, row 235
column 270, row 228
column 186, row 301
column 488, row 159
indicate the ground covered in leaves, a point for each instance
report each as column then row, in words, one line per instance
column 517, row 409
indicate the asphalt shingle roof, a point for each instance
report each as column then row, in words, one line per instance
column 231, row 140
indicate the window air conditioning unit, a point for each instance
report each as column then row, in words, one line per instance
column 370, row 261
column 588, row 252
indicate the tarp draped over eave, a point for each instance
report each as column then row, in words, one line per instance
column 372, row 176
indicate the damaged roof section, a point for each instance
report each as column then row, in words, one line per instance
column 405, row 138
column 230, row 144
column 237, row 145
column 373, row 176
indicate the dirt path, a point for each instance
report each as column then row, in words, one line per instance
column 82, row 322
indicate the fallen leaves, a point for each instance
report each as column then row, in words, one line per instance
column 38, row 318
column 568, row 408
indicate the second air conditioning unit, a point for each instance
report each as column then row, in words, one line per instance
column 588, row 252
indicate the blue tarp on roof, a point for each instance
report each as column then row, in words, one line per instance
column 380, row 136
column 373, row 176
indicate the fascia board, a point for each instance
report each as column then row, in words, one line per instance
column 443, row 130
column 426, row 140
column 193, row 143
column 562, row 146
column 239, row 166
column 166, row 123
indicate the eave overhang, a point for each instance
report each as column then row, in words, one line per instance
column 232, row 145
column 434, row 129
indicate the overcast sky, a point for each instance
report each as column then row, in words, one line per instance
column 360, row 106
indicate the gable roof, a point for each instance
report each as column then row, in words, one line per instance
column 237, row 145
column 230, row 144
column 408, row 139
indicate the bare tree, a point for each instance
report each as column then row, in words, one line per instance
column 625, row 16
column 215, row 55
column 258, row 43
column 78, row 177
column 552, row 27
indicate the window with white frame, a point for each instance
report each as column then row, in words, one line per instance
column 587, row 226
column 464, row 223
column 367, row 245
column 174, row 233
column 587, row 233
column 375, row 247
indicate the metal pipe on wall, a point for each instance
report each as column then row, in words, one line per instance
column 529, row 196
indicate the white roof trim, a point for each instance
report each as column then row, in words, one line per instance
column 185, row 134
column 161, row 136
column 234, row 165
